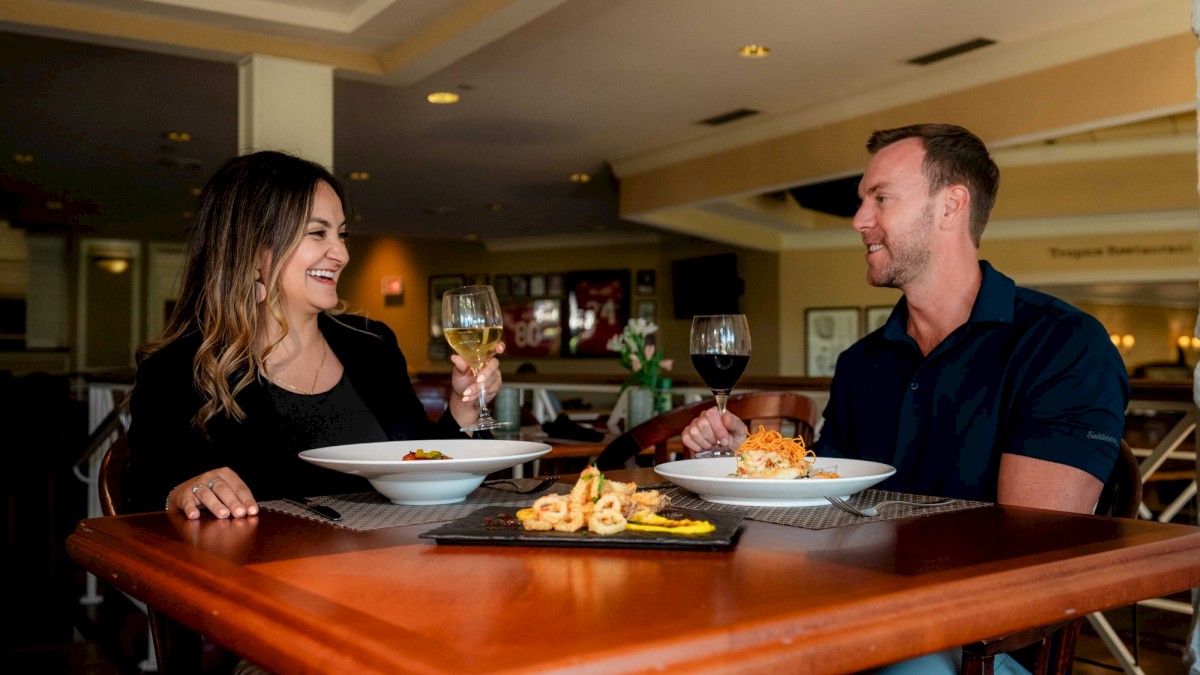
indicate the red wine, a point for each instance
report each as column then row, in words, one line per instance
column 720, row 371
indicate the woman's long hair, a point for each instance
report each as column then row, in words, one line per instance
column 253, row 204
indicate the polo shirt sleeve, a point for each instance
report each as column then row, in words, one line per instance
column 1071, row 398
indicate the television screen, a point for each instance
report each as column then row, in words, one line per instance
column 707, row 285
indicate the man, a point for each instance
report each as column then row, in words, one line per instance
column 974, row 388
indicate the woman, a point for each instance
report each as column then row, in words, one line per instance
column 257, row 363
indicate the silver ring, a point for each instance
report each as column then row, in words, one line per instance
column 197, row 488
column 214, row 482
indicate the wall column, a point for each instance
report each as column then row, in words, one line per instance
column 286, row 105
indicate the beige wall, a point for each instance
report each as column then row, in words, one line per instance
column 837, row 278
column 779, row 287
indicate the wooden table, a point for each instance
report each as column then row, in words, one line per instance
column 297, row 595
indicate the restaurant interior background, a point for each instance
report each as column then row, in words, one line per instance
column 623, row 139
column 1091, row 115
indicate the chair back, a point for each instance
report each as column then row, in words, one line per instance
column 112, row 472
column 1050, row 650
column 1122, row 493
column 788, row 412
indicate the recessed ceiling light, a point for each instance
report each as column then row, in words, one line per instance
column 54, row 205
column 754, row 51
column 195, row 191
column 360, row 175
column 442, row 97
column 178, row 136
column 580, row 178
column 23, row 158
column 495, row 206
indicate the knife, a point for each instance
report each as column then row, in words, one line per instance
column 314, row 507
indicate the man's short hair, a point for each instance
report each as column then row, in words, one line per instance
column 953, row 155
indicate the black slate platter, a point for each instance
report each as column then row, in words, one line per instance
column 488, row 527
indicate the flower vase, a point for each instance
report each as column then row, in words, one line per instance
column 640, row 406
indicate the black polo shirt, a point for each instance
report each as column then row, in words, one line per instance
column 1027, row 374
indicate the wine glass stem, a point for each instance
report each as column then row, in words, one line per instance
column 484, row 413
column 721, row 398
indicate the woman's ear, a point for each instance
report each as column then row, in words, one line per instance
column 260, row 286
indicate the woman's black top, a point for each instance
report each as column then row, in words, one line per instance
column 374, row 401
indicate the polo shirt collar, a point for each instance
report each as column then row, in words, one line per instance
column 994, row 303
column 997, row 296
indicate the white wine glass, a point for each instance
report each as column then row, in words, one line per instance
column 720, row 349
column 473, row 325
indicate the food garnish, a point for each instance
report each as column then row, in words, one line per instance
column 605, row 506
column 424, row 454
column 767, row 454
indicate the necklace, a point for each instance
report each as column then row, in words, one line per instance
column 313, row 389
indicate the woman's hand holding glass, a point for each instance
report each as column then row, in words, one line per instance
column 464, row 398
column 473, row 325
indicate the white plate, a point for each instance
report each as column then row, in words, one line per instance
column 710, row 479
column 428, row 481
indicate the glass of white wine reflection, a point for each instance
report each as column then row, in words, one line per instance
column 720, row 349
column 473, row 325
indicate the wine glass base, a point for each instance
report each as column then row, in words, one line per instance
column 485, row 424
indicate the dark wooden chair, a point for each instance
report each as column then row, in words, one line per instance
column 434, row 397
column 790, row 413
column 1050, row 650
column 177, row 649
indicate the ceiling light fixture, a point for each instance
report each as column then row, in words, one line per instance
column 360, row 175
column 754, row 51
column 195, row 191
column 178, row 136
column 54, row 205
column 23, row 158
column 442, row 97
column 580, row 178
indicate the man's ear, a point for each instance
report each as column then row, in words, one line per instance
column 956, row 206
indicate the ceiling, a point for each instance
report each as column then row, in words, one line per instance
column 549, row 88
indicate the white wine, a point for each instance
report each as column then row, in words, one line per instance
column 476, row 345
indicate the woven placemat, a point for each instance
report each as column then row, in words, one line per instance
column 823, row 517
column 371, row 511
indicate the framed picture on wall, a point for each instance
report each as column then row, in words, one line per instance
column 554, row 285
column 520, row 285
column 537, row 285
column 437, row 286
column 438, row 348
column 876, row 317
column 597, row 308
column 645, row 282
column 827, row 333
column 648, row 310
column 501, row 283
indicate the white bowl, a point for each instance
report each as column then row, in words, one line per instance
column 710, row 478
column 425, row 481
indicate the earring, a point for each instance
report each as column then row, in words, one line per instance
column 260, row 289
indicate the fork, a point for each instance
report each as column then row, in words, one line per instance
column 540, row 487
column 873, row 510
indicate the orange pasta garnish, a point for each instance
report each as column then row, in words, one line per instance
column 767, row 454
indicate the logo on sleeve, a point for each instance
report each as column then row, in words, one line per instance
column 1097, row 436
